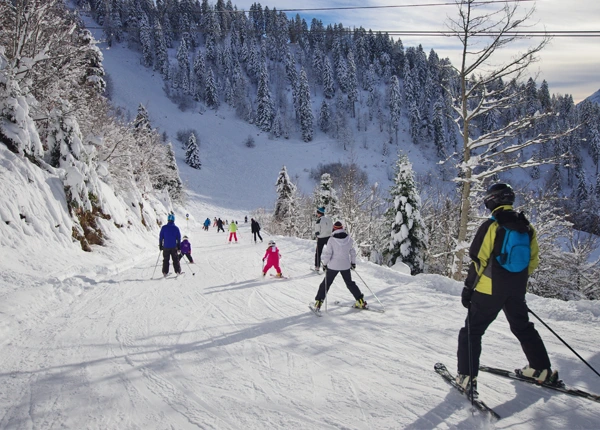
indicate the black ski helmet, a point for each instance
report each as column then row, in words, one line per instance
column 498, row 195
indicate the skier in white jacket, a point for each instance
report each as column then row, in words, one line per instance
column 322, row 233
column 339, row 256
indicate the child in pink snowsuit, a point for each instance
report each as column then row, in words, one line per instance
column 272, row 256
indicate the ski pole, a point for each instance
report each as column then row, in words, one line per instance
column 559, row 338
column 156, row 265
column 366, row 285
column 470, row 354
column 188, row 264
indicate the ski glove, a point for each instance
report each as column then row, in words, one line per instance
column 465, row 297
column 324, row 267
column 353, row 266
column 160, row 247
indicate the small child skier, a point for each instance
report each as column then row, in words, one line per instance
column 272, row 257
column 186, row 249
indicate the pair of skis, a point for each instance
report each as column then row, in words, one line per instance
column 318, row 313
column 557, row 386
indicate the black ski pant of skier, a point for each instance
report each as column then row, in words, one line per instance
column 330, row 275
column 321, row 242
column 170, row 253
column 484, row 309
column 220, row 228
column 189, row 257
column 259, row 236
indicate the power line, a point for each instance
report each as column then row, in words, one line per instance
column 428, row 33
column 392, row 6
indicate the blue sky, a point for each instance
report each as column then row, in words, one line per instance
column 570, row 65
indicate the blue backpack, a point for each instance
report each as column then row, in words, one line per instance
column 516, row 251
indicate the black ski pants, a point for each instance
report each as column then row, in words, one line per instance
column 170, row 253
column 259, row 236
column 330, row 275
column 484, row 309
column 321, row 242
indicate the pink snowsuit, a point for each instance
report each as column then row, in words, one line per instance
column 272, row 256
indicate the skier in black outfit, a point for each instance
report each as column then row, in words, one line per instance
column 490, row 288
column 322, row 232
column 169, row 242
column 220, row 225
column 255, row 228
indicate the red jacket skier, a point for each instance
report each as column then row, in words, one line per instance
column 272, row 257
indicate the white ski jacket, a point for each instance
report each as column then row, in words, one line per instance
column 323, row 227
column 339, row 253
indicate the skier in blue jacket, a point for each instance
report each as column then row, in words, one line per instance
column 169, row 242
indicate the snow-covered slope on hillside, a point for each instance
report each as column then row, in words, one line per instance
column 233, row 175
column 595, row 97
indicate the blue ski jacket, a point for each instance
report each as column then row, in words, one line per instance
column 170, row 237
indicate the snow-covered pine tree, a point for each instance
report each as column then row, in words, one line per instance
column 326, row 196
column 170, row 178
column 161, row 61
column 328, row 82
column 439, row 131
column 286, row 206
column 264, row 105
column 198, row 73
column 211, row 94
column 192, row 153
column 183, row 61
column 141, row 123
column 395, row 105
column 408, row 234
column 352, row 84
column 324, row 117
column 146, row 41
column 306, row 114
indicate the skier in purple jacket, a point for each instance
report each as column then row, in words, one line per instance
column 186, row 249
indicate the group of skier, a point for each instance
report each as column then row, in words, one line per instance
column 504, row 252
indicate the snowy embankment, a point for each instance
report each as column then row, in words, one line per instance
column 106, row 347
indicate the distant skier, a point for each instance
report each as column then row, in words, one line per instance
column 186, row 249
column 491, row 287
column 322, row 232
column 255, row 228
column 233, row 231
column 169, row 242
column 339, row 257
column 220, row 225
column 246, row 219
column 206, row 224
column 272, row 257
column 215, row 222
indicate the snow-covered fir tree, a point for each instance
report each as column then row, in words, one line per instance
column 264, row 105
column 324, row 117
column 211, row 94
column 170, row 178
column 395, row 106
column 306, row 114
column 192, row 153
column 325, row 195
column 408, row 238
column 286, row 206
